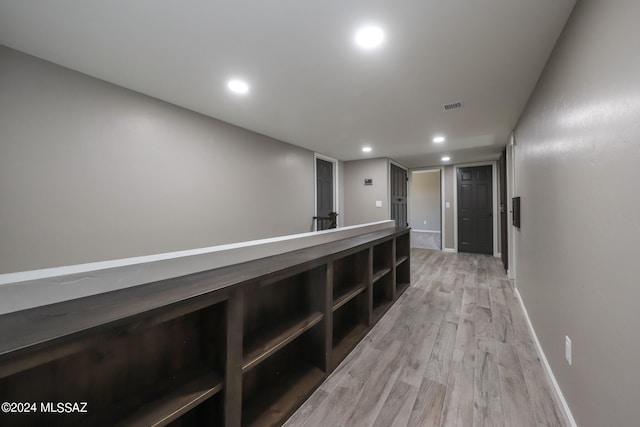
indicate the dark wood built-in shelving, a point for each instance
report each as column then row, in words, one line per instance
column 349, row 295
column 264, row 344
column 383, row 291
column 279, row 399
column 402, row 263
column 379, row 274
column 239, row 345
column 348, row 339
column 203, row 385
column 401, row 287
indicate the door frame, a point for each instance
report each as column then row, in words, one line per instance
column 511, row 193
column 336, row 198
column 494, row 196
column 406, row 169
column 442, row 201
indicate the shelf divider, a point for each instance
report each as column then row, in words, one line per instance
column 268, row 342
column 401, row 259
column 380, row 274
column 349, row 295
column 202, row 385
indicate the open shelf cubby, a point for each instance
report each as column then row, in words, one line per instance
column 402, row 263
column 274, row 389
column 350, row 323
column 283, row 345
column 402, row 248
column 382, row 296
column 148, row 372
column 349, row 277
column 403, row 276
column 382, row 261
column 277, row 311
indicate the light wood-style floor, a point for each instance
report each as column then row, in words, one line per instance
column 425, row 240
column 454, row 350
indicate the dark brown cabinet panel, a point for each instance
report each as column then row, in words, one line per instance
column 143, row 373
column 402, row 263
column 241, row 345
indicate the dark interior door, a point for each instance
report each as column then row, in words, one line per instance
column 475, row 210
column 399, row 196
column 324, row 177
column 504, row 241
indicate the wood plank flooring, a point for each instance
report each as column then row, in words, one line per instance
column 454, row 350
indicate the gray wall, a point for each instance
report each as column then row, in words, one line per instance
column 577, row 165
column 425, row 200
column 91, row 171
column 359, row 199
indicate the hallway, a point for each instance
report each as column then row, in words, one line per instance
column 454, row 350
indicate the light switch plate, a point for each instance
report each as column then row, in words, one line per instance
column 378, row 203
column 447, row 204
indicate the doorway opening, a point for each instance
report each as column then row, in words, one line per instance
column 426, row 209
column 326, row 206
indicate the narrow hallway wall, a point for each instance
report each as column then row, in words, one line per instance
column 577, row 169
column 91, row 171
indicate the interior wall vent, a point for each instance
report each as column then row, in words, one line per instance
column 452, row 106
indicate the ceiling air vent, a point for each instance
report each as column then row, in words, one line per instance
column 452, row 106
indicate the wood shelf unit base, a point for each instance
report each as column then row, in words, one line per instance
column 282, row 398
column 343, row 344
column 275, row 388
column 401, row 287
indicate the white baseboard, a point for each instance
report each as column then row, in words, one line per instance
column 450, row 250
column 547, row 367
column 425, row 231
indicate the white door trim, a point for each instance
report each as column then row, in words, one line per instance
column 442, row 202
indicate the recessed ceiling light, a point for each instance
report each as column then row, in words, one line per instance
column 238, row 86
column 446, row 158
column 438, row 139
column 369, row 37
column 366, row 149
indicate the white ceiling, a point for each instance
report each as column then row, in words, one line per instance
column 310, row 86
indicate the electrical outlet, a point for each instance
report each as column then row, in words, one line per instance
column 567, row 349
